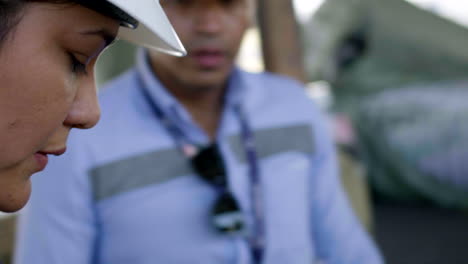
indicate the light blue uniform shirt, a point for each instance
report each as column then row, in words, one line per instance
column 124, row 194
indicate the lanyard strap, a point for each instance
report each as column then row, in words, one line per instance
column 256, row 238
column 187, row 148
column 257, row 243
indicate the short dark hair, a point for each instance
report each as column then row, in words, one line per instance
column 10, row 14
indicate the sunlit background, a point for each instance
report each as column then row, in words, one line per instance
column 455, row 10
column 305, row 8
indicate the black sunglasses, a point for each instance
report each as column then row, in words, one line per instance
column 226, row 212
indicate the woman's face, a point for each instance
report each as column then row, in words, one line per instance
column 46, row 88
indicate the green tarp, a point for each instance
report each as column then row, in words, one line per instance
column 399, row 72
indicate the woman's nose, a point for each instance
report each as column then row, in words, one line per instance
column 85, row 111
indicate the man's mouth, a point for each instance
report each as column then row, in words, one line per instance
column 209, row 58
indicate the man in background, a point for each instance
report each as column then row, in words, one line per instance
column 196, row 161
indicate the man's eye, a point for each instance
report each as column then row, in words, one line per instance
column 77, row 66
column 228, row 2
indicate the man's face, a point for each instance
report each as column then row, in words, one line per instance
column 211, row 31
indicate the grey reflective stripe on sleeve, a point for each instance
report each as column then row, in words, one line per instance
column 137, row 172
column 273, row 141
column 163, row 165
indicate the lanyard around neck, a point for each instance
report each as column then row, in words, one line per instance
column 257, row 243
column 256, row 239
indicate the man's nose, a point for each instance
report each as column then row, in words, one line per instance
column 209, row 20
column 85, row 111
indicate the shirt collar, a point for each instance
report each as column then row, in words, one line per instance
column 237, row 86
column 159, row 95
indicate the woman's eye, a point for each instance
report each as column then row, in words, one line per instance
column 77, row 66
column 183, row 2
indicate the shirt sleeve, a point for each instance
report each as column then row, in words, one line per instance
column 339, row 236
column 58, row 225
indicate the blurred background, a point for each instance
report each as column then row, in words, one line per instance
column 392, row 76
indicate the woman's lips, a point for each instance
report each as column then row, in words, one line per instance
column 57, row 152
column 42, row 158
column 209, row 58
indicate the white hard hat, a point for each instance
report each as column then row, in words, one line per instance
column 143, row 22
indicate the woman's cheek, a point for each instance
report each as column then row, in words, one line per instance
column 58, row 103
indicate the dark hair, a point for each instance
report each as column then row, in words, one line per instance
column 10, row 14
column 9, row 10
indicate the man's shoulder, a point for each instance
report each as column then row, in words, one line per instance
column 272, row 79
column 276, row 87
column 277, row 90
